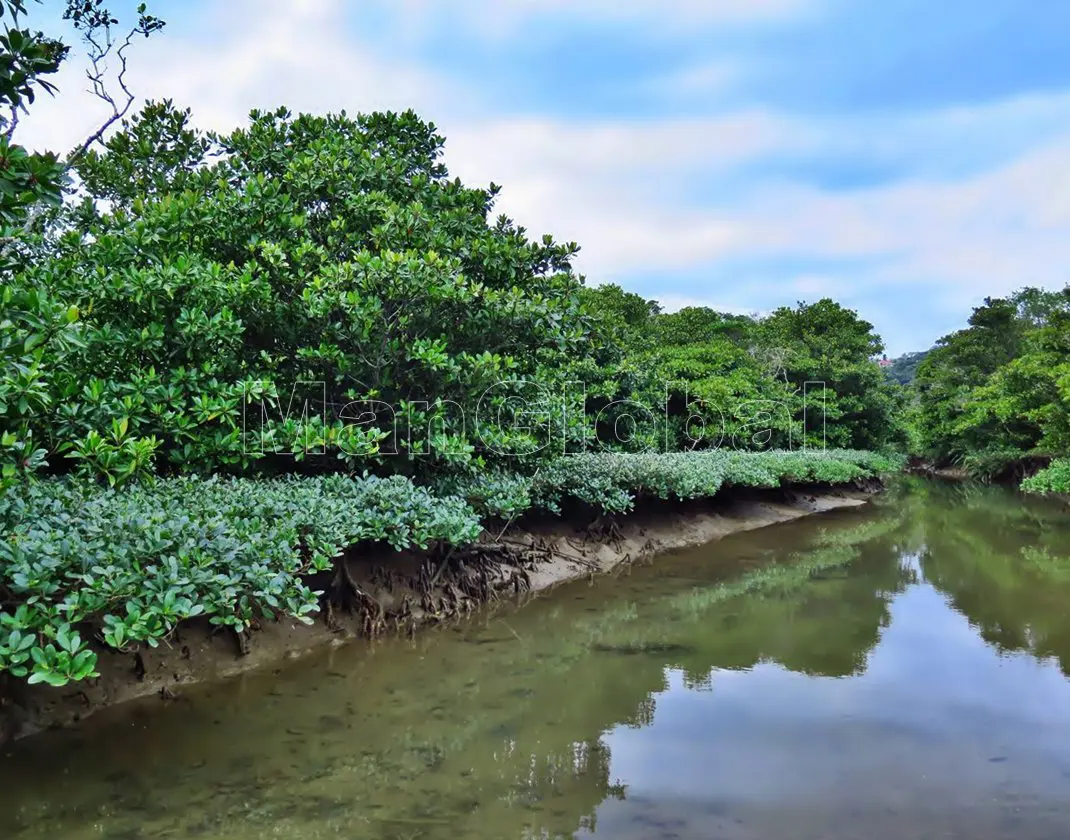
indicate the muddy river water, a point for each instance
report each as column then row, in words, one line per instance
column 893, row 672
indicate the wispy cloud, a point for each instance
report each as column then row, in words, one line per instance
column 678, row 177
column 262, row 54
column 496, row 19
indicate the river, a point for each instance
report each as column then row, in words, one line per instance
column 895, row 672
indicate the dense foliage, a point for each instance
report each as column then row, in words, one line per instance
column 320, row 290
column 801, row 376
column 36, row 328
column 227, row 358
column 996, row 395
column 137, row 561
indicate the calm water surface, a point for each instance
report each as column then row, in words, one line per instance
column 897, row 672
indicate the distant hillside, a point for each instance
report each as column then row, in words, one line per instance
column 903, row 368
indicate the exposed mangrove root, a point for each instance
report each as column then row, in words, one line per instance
column 605, row 529
column 242, row 638
column 452, row 582
column 346, row 594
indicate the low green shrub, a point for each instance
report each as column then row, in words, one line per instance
column 494, row 493
column 1053, row 479
column 132, row 563
column 128, row 564
column 612, row 481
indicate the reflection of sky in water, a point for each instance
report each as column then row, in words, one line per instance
column 938, row 717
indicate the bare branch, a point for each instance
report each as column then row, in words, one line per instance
column 95, row 23
column 96, row 76
column 12, row 123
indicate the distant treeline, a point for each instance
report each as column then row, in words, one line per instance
column 903, row 369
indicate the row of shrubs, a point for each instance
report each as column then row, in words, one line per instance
column 125, row 566
column 1055, row 479
column 613, row 481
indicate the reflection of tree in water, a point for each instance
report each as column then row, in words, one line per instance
column 826, row 627
column 552, row 781
column 1003, row 561
column 819, row 612
column 810, row 613
column 698, row 682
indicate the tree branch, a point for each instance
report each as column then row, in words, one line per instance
column 95, row 23
column 100, row 90
column 12, row 123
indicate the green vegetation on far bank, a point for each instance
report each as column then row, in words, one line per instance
column 1053, row 479
column 995, row 397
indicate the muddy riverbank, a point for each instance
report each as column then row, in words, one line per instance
column 374, row 593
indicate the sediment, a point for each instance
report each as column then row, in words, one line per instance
column 372, row 592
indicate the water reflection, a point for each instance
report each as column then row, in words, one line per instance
column 1005, row 567
column 877, row 673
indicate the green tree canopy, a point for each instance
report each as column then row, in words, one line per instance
column 999, row 386
column 214, row 271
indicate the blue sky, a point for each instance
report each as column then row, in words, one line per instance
column 906, row 157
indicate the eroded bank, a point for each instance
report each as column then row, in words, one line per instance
column 372, row 593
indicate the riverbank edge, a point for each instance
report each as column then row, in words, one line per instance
column 373, row 592
column 1010, row 473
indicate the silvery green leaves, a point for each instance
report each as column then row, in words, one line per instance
column 134, row 562
column 612, row 481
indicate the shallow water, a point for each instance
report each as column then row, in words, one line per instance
column 893, row 672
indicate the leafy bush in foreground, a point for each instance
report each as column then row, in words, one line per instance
column 135, row 562
column 1054, row 479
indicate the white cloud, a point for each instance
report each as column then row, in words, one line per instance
column 499, row 19
column 297, row 53
column 616, row 188
column 696, row 81
column 621, row 150
column 626, row 190
column 982, row 235
column 618, row 195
